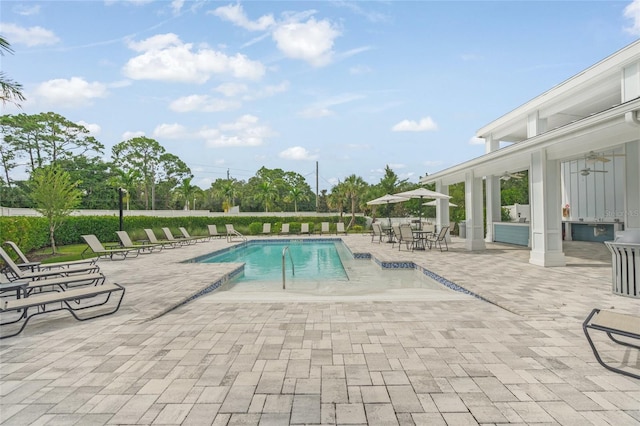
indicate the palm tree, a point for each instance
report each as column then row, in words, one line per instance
column 296, row 194
column 267, row 192
column 354, row 187
column 126, row 180
column 187, row 191
column 10, row 91
column 337, row 198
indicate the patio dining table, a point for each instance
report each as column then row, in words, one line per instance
column 420, row 239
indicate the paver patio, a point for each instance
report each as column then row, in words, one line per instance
column 282, row 357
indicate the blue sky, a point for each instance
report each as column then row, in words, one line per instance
column 234, row 86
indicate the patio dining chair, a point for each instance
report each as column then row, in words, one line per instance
column 376, row 232
column 439, row 238
column 406, row 237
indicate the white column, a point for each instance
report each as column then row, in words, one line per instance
column 442, row 208
column 494, row 205
column 546, row 211
column 632, row 185
column 490, row 144
column 535, row 124
column 473, row 211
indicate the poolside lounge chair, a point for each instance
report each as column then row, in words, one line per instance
column 613, row 323
column 395, row 235
column 213, row 231
column 13, row 272
column 126, row 242
column 304, row 229
column 151, row 236
column 439, row 238
column 340, row 228
column 26, row 287
column 26, row 264
column 96, row 246
column 324, row 228
column 266, row 229
column 232, row 233
column 21, row 310
column 197, row 238
column 285, row 229
column 184, row 241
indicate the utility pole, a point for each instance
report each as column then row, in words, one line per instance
column 317, row 200
column 228, row 176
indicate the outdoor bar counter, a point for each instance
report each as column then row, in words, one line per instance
column 511, row 233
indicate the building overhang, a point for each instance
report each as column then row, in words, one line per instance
column 607, row 129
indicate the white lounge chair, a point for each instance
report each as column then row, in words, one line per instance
column 197, row 238
column 213, row 231
column 324, row 228
column 126, row 242
column 96, row 246
column 13, row 272
column 285, row 229
column 266, row 229
column 151, row 236
column 169, row 237
column 304, row 229
column 23, row 309
column 26, row 264
column 232, row 233
column 340, row 228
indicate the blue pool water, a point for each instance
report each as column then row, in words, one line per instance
column 313, row 260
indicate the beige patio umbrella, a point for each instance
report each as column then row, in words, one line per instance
column 421, row 193
column 387, row 199
column 433, row 203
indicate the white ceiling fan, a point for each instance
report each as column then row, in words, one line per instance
column 507, row 175
column 593, row 156
column 588, row 170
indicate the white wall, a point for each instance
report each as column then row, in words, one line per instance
column 598, row 196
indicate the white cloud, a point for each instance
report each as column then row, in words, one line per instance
column 165, row 57
column 297, row 153
column 316, row 112
column 476, row 141
column 232, row 89
column 267, row 91
column 235, row 14
column 245, row 131
column 424, row 125
column 94, row 129
column 203, row 103
column 632, row 12
column 170, row 131
column 71, row 93
column 311, row 41
column 130, row 135
column 24, row 10
column 176, row 6
column 33, row 36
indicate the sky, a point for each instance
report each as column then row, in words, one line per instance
column 352, row 86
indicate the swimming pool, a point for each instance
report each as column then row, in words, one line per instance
column 322, row 267
column 311, row 260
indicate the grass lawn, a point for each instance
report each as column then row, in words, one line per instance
column 65, row 254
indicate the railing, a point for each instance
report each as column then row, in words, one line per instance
column 293, row 268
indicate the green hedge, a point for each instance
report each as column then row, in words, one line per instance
column 31, row 233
